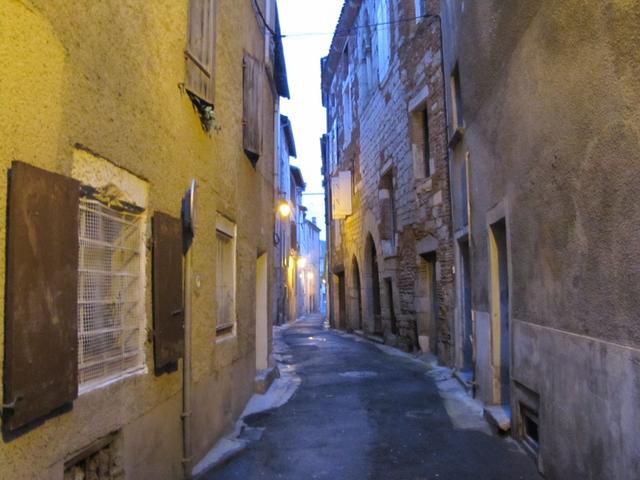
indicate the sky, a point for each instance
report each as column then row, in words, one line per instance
column 302, row 52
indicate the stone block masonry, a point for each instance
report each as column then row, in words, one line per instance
column 400, row 230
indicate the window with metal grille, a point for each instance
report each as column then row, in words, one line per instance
column 110, row 294
column 225, row 276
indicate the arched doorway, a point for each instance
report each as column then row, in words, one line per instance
column 356, row 295
column 373, row 284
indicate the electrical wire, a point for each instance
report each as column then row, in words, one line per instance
column 264, row 20
column 337, row 33
column 348, row 32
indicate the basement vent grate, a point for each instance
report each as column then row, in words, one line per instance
column 110, row 293
column 529, row 429
column 99, row 461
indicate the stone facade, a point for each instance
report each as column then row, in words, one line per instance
column 544, row 114
column 392, row 257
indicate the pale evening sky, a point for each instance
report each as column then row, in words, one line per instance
column 303, row 53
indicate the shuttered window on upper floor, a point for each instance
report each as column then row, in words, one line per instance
column 253, row 73
column 200, row 52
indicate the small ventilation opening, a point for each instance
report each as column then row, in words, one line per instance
column 99, row 461
column 529, row 422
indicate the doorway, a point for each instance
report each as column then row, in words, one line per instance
column 498, row 254
column 262, row 320
column 392, row 313
column 428, row 303
column 356, row 296
column 374, row 285
column 342, row 298
column 465, row 304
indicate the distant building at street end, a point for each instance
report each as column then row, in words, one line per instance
column 310, row 270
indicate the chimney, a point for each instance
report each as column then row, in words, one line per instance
column 313, row 220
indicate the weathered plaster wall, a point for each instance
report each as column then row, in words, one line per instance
column 550, row 99
column 107, row 76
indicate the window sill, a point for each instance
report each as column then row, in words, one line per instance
column 99, row 385
column 224, row 337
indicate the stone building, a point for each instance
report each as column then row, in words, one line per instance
column 309, row 267
column 544, row 115
column 108, row 111
column 385, row 155
column 286, row 237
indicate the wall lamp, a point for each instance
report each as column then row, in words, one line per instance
column 284, row 209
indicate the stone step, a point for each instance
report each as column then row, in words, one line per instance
column 499, row 417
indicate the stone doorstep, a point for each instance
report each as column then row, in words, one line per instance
column 264, row 379
column 465, row 379
column 370, row 336
column 224, row 451
column 499, row 417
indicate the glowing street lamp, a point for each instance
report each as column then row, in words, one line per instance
column 309, row 275
column 284, row 209
column 302, row 262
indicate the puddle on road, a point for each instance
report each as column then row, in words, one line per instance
column 420, row 414
column 359, row 374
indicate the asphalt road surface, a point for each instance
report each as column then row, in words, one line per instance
column 361, row 413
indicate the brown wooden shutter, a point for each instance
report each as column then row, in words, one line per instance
column 252, row 111
column 294, row 236
column 41, row 324
column 168, row 315
column 201, row 49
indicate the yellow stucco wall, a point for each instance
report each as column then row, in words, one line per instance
column 107, row 76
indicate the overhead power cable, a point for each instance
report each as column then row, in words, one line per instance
column 264, row 20
column 337, row 33
column 350, row 32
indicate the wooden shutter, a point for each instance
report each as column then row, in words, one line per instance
column 41, row 324
column 252, row 111
column 201, row 49
column 294, row 236
column 168, row 314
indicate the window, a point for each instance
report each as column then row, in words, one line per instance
column 456, row 99
column 200, row 52
column 383, row 38
column 421, row 9
column 426, row 147
column 347, row 120
column 225, row 276
column 387, row 209
column 252, row 107
column 110, row 293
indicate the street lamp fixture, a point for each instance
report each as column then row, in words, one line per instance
column 284, row 209
column 302, row 262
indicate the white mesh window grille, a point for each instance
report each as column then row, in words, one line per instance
column 110, row 294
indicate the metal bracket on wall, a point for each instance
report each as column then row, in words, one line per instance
column 12, row 404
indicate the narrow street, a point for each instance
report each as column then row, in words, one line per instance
column 362, row 412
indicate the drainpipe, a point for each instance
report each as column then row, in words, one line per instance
column 188, row 226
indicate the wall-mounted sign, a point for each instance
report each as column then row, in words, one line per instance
column 341, row 195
